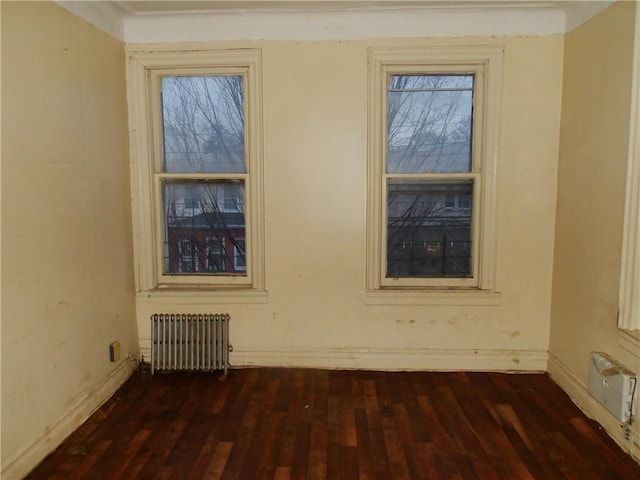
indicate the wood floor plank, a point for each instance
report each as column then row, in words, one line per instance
column 376, row 433
column 295, row 410
column 270, row 446
column 365, row 453
column 290, row 424
column 219, row 460
column 300, row 460
column 395, row 452
column 334, row 447
column 282, row 473
column 206, row 452
column 255, row 447
column 317, row 465
column 244, row 434
column 344, row 393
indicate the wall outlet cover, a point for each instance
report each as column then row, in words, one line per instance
column 114, row 351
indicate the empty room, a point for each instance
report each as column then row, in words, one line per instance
column 320, row 239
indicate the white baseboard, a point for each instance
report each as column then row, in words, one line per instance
column 393, row 358
column 21, row 464
column 580, row 395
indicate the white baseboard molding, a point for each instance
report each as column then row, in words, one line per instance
column 579, row 394
column 21, row 464
column 393, row 358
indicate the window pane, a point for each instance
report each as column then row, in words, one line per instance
column 429, row 228
column 203, row 124
column 429, row 122
column 204, row 231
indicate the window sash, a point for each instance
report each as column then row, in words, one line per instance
column 190, row 105
column 418, row 139
column 211, row 277
column 198, row 226
column 426, row 238
column 387, row 280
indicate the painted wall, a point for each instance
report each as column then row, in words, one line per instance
column 67, row 268
column 317, row 314
column 591, row 188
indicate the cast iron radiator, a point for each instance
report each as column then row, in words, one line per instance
column 187, row 342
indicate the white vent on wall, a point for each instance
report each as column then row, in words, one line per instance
column 612, row 385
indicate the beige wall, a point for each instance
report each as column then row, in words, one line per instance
column 67, row 270
column 591, row 189
column 315, row 111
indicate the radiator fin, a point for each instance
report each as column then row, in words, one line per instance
column 189, row 342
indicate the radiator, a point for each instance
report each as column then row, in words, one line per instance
column 181, row 342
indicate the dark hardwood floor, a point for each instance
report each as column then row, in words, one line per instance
column 271, row 423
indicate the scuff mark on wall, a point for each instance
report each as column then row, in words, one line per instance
column 406, row 322
column 512, row 334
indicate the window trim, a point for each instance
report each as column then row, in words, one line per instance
column 144, row 66
column 485, row 61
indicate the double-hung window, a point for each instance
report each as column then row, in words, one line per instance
column 196, row 130
column 433, row 145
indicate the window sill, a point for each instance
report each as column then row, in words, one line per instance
column 203, row 296
column 444, row 297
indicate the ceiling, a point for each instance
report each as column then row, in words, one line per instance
column 170, row 21
column 164, row 7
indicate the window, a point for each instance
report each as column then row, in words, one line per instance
column 191, row 203
column 186, row 257
column 196, row 124
column 215, row 255
column 432, row 168
column 456, row 198
column 239, row 259
column 232, row 199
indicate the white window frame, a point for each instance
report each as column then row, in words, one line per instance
column 485, row 63
column 145, row 68
column 629, row 300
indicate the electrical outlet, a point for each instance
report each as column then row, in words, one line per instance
column 114, row 351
